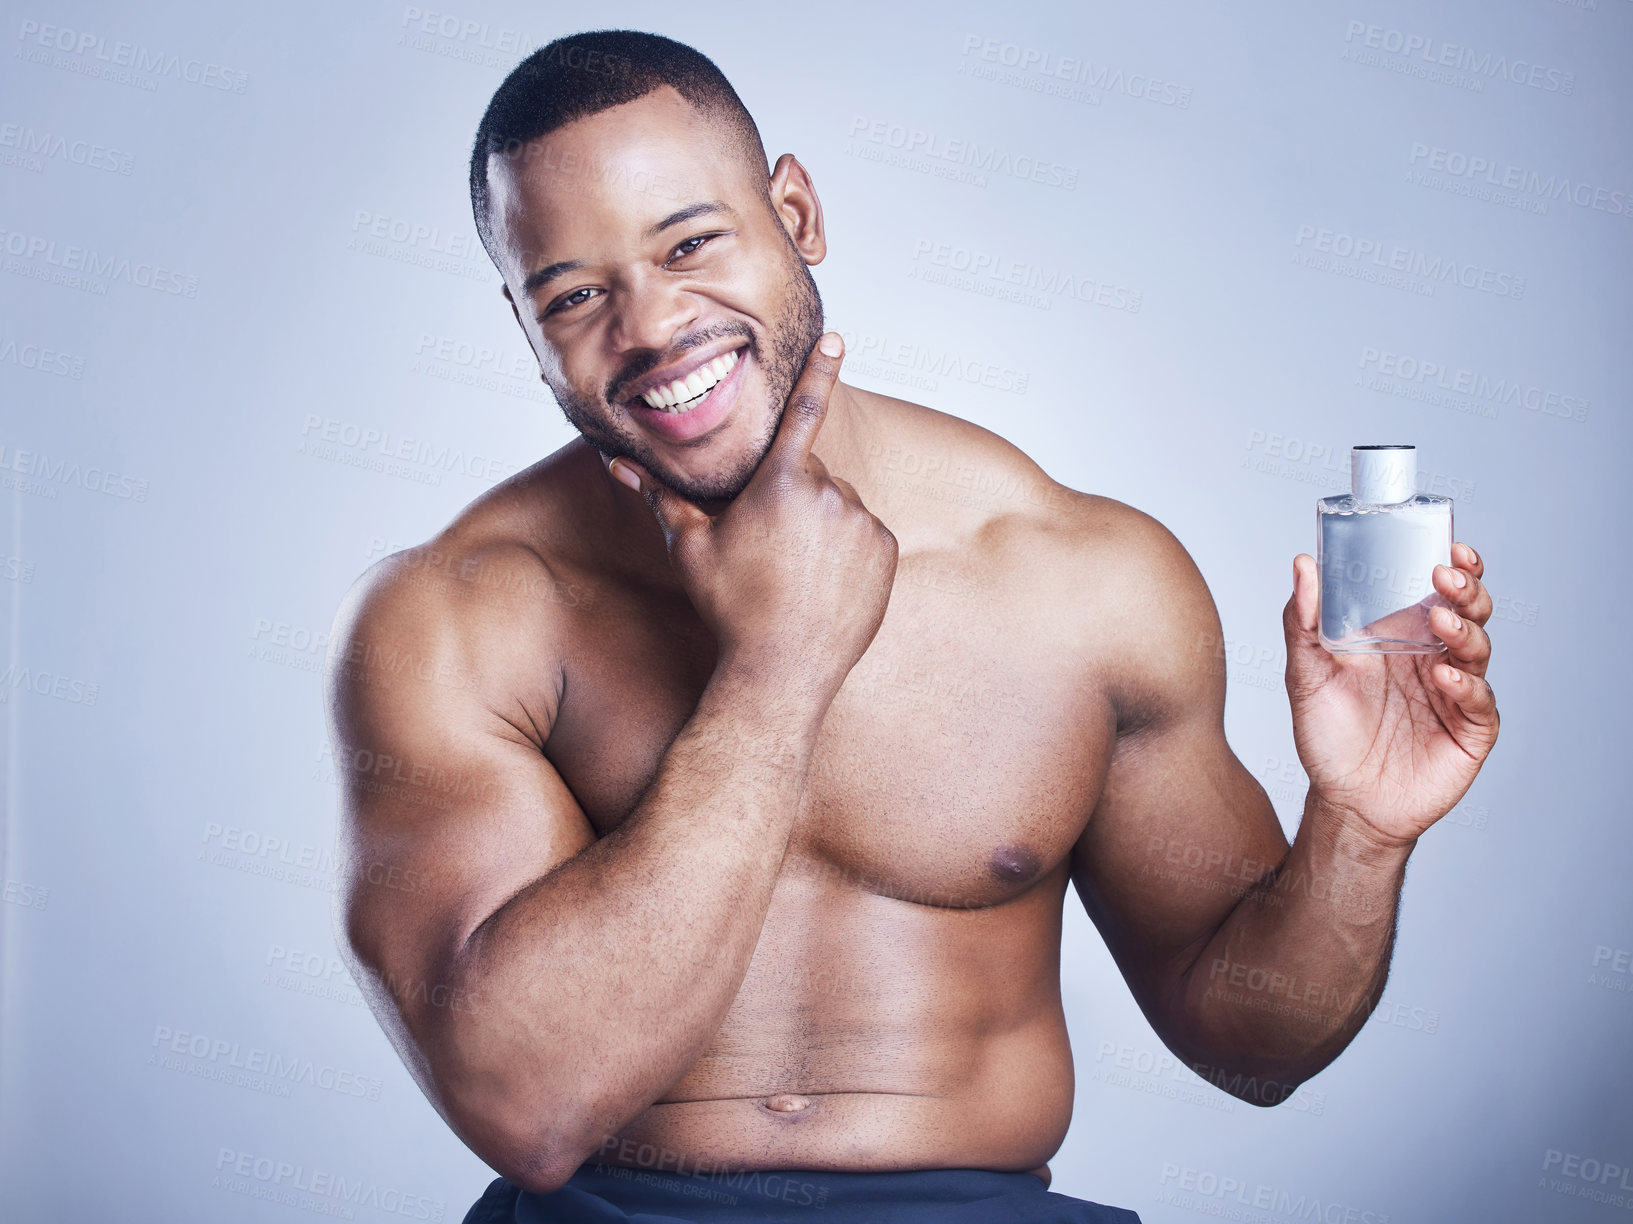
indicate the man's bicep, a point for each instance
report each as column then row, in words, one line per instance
column 448, row 808
column 1181, row 830
column 439, row 830
column 1180, row 833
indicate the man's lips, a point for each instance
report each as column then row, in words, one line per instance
column 664, row 377
column 705, row 414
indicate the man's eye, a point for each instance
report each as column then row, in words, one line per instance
column 571, row 299
column 690, row 245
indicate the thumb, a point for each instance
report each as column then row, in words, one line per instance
column 1308, row 662
column 675, row 515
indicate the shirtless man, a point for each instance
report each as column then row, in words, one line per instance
column 714, row 784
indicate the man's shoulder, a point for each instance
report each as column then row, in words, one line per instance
column 492, row 556
column 1090, row 570
column 454, row 579
column 1013, row 506
column 1135, row 605
column 486, row 582
column 1109, row 576
column 952, row 473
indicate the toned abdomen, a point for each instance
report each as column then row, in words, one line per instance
column 872, row 1033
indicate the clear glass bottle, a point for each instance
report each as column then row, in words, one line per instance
column 1377, row 547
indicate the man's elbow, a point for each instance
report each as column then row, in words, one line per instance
column 1256, row 1086
column 1270, row 1092
column 541, row 1171
column 536, row 1149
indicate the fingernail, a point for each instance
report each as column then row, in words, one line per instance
column 622, row 473
column 1473, row 554
column 831, row 345
column 1458, row 579
column 1457, row 676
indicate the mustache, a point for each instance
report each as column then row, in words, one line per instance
column 645, row 363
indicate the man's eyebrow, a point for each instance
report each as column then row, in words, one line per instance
column 704, row 208
column 680, row 215
column 541, row 278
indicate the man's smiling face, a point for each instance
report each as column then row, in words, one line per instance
column 660, row 288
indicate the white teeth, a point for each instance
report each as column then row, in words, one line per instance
column 686, row 391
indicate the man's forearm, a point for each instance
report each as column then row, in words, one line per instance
column 604, row 980
column 1295, row 970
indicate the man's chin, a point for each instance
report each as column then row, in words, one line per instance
column 715, row 489
column 711, row 493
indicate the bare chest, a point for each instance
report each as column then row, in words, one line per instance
column 958, row 763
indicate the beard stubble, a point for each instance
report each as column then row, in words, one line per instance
column 792, row 336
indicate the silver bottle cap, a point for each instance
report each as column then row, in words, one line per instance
column 1383, row 475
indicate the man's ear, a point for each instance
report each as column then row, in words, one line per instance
column 794, row 199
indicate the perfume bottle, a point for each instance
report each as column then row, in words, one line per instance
column 1377, row 548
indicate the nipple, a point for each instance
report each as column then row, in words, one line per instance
column 1013, row 864
column 787, row 1102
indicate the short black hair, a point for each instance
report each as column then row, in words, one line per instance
column 584, row 74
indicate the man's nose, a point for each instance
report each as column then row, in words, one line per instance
column 648, row 314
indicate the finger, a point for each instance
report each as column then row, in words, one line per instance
column 817, row 469
column 1308, row 663
column 1467, row 644
column 1300, row 613
column 674, row 513
column 1472, row 696
column 807, row 405
column 1464, row 592
column 1466, row 558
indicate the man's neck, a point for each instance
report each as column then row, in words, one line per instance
column 850, row 433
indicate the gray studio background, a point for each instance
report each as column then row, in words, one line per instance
column 249, row 343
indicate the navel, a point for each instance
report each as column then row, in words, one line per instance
column 786, row 1103
column 1013, row 864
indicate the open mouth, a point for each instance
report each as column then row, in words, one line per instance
column 687, row 411
column 684, row 394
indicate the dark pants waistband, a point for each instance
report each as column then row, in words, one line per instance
column 609, row 1194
